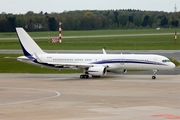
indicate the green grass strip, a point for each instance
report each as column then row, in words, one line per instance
column 110, row 43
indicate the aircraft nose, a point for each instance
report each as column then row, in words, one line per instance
column 172, row 65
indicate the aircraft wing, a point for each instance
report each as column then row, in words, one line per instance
column 78, row 65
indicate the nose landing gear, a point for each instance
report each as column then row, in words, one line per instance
column 154, row 74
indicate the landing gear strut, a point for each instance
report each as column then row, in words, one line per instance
column 154, row 74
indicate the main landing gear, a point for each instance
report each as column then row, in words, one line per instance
column 84, row 76
column 154, row 74
column 87, row 76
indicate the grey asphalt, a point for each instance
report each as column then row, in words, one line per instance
column 66, row 97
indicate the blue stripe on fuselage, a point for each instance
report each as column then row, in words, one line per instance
column 126, row 61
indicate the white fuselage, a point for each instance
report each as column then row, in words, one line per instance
column 113, row 61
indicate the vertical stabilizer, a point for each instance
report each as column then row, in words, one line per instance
column 28, row 45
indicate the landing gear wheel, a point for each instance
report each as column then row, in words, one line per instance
column 153, row 77
column 84, row 76
column 81, row 76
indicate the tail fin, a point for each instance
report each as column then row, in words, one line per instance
column 28, row 45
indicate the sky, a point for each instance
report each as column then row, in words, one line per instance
column 23, row 6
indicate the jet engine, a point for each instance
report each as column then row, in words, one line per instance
column 97, row 71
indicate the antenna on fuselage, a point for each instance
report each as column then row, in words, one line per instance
column 104, row 52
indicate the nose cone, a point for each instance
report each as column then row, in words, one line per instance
column 172, row 65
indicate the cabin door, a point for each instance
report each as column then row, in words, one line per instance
column 122, row 61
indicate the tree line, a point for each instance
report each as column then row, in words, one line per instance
column 89, row 20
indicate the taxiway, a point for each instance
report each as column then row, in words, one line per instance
column 66, row 97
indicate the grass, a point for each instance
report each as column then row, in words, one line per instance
column 111, row 43
column 89, row 32
column 175, row 62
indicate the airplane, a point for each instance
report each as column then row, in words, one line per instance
column 96, row 65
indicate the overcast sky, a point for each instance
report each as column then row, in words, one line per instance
column 23, row 6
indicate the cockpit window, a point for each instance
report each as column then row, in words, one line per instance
column 166, row 61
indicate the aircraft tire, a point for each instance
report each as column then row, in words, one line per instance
column 153, row 77
column 84, row 76
column 81, row 76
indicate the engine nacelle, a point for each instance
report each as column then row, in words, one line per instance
column 97, row 71
column 120, row 71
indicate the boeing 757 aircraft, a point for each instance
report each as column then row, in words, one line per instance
column 92, row 64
